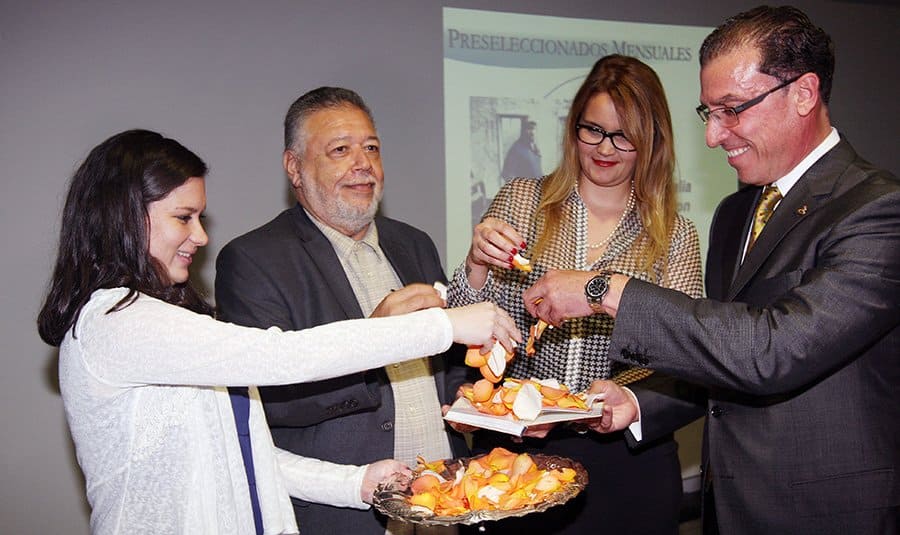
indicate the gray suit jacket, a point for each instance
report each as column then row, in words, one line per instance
column 799, row 353
column 286, row 274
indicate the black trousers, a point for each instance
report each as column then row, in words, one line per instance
column 708, row 519
column 633, row 492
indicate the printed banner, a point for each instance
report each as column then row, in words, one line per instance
column 508, row 82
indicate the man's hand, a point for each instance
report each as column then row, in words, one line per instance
column 378, row 472
column 456, row 426
column 410, row 298
column 559, row 295
column 620, row 408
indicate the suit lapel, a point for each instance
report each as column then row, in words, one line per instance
column 732, row 223
column 814, row 189
column 322, row 254
column 398, row 254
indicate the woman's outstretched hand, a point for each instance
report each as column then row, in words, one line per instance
column 483, row 324
column 378, row 472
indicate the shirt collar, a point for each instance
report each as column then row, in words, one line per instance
column 343, row 244
column 787, row 182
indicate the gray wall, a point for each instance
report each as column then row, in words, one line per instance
column 218, row 75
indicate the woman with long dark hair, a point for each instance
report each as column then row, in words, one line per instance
column 143, row 364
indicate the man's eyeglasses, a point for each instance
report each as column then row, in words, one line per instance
column 594, row 135
column 727, row 116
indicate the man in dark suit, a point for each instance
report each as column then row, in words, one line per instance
column 331, row 258
column 795, row 356
column 523, row 157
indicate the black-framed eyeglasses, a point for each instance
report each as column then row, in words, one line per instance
column 728, row 116
column 594, row 135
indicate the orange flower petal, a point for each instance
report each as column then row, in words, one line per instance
column 474, row 358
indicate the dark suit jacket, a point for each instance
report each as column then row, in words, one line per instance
column 799, row 351
column 521, row 161
column 286, row 274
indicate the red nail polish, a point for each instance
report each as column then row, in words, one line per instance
column 510, row 260
column 514, row 251
column 522, row 245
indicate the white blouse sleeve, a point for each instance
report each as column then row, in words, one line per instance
column 318, row 481
column 152, row 342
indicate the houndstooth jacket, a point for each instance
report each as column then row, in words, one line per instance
column 576, row 353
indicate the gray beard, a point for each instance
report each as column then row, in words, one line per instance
column 341, row 215
column 352, row 218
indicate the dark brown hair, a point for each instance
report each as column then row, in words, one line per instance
column 789, row 44
column 310, row 102
column 104, row 234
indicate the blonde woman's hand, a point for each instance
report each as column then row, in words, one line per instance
column 456, row 426
column 482, row 324
column 494, row 242
column 378, row 472
column 538, row 431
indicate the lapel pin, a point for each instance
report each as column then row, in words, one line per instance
column 802, row 210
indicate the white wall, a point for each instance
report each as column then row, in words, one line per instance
column 218, row 75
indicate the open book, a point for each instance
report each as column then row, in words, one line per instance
column 463, row 412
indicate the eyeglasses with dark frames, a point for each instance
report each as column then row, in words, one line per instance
column 594, row 135
column 727, row 116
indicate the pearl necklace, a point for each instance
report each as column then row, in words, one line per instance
column 628, row 207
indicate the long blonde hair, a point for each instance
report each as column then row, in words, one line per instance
column 640, row 102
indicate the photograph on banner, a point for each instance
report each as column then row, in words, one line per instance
column 508, row 82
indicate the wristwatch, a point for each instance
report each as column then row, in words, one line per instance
column 596, row 289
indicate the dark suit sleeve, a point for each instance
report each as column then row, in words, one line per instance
column 248, row 293
column 796, row 326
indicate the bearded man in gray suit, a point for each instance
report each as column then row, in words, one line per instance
column 330, row 258
column 795, row 356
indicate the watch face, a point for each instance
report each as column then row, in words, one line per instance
column 596, row 288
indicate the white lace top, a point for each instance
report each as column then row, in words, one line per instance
column 152, row 423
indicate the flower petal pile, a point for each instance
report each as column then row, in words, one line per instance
column 499, row 481
column 491, row 365
column 524, row 399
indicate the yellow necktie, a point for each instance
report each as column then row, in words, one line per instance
column 764, row 211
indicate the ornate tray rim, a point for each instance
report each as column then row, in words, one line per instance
column 391, row 496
